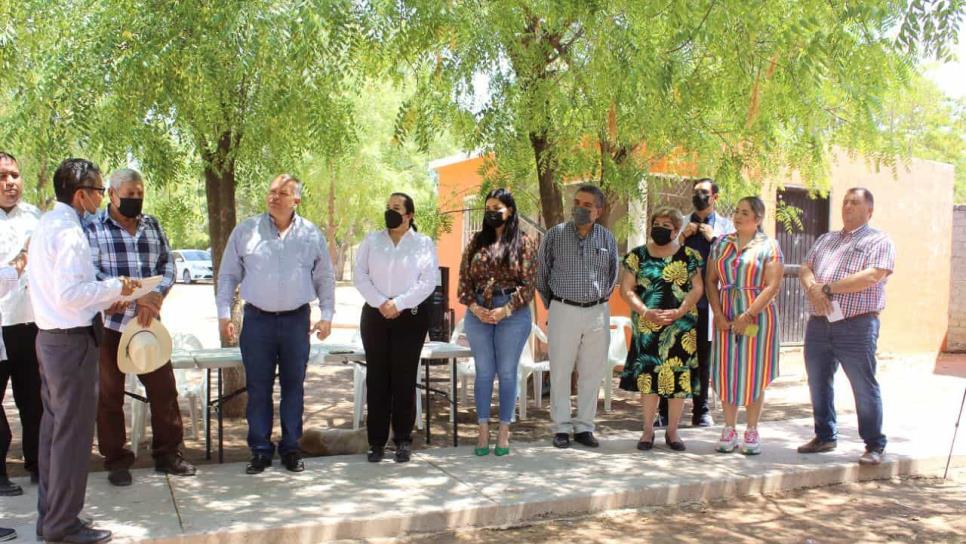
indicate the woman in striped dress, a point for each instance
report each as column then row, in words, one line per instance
column 744, row 275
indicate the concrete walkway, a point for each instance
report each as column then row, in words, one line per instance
column 346, row 497
column 445, row 488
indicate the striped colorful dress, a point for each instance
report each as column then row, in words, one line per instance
column 744, row 365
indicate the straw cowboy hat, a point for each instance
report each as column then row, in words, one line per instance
column 143, row 349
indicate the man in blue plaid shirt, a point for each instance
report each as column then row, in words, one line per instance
column 126, row 242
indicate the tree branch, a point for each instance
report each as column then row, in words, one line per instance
column 691, row 34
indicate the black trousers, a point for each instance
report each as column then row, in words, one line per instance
column 23, row 372
column 699, row 402
column 392, row 359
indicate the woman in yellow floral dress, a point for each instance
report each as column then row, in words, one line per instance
column 661, row 282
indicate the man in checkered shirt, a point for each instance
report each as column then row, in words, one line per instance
column 844, row 275
column 125, row 242
column 576, row 272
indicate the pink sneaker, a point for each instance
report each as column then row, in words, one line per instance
column 751, row 444
column 729, row 440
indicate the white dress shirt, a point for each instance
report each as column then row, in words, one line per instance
column 64, row 291
column 8, row 282
column 16, row 227
column 405, row 273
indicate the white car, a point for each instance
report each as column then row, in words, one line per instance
column 192, row 265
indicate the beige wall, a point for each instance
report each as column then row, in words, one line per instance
column 914, row 206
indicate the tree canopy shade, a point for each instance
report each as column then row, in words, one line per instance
column 569, row 89
column 238, row 89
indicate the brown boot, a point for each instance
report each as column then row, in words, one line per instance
column 174, row 464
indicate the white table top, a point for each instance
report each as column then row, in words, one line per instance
column 214, row 358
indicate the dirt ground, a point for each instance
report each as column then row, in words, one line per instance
column 899, row 510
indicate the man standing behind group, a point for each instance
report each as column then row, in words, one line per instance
column 67, row 301
column 125, row 242
column 282, row 263
column 577, row 270
column 17, row 222
column 701, row 229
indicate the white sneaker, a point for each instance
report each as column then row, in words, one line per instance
column 751, row 445
column 871, row 457
column 729, row 440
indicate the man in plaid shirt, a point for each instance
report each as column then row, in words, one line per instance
column 125, row 242
column 576, row 273
column 844, row 275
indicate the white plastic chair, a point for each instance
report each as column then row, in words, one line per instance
column 193, row 392
column 359, row 390
column 466, row 369
column 139, row 411
column 616, row 354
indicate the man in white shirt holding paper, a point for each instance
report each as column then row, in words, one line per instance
column 67, row 300
column 17, row 222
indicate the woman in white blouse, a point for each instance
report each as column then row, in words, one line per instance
column 395, row 272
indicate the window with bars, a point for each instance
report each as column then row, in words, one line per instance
column 472, row 218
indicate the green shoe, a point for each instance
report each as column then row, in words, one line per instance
column 500, row 452
column 480, row 452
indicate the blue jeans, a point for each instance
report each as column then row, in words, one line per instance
column 268, row 342
column 851, row 343
column 496, row 351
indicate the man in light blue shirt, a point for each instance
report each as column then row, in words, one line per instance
column 281, row 261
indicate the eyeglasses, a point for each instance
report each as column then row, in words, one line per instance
column 100, row 190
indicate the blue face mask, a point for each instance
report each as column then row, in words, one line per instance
column 86, row 216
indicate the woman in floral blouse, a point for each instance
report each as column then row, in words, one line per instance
column 496, row 285
column 661, row 282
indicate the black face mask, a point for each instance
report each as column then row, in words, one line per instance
column 393, row 219
column 493, row 219
column 661, row 235
column 701, row 201
column 130, row 207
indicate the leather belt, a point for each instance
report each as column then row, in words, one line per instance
column 73, row 330
column 579, row 304
column 495, row 292
column 301, row 308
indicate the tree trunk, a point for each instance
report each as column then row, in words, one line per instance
column 330, row 223
column 551, row 198
column 220, row 188
column 341, row 255
column 43, row 179
column 615, row 209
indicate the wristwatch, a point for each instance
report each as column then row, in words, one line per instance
column 827, row 290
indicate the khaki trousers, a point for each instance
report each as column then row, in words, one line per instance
column 579, row 339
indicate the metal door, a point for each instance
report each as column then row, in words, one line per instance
column 795, row 245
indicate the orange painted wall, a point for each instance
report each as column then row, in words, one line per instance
column 456, row 182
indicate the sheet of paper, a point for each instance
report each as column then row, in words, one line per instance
column 147, row 285
column 836, row 313
column 710, row 324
